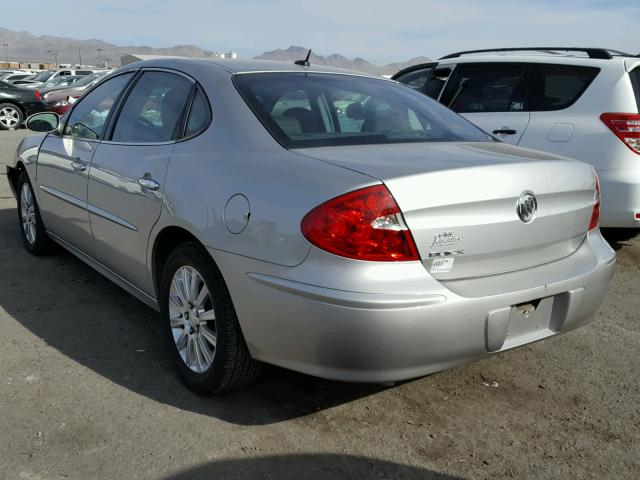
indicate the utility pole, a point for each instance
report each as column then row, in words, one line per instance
column 6, row 53
column 79, row 57
column 99, row 56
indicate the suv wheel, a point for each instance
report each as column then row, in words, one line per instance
column 11, row 117
column 200, row 324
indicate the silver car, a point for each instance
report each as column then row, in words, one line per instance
column 333, row 223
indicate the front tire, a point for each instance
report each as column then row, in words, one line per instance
column 200, row 324
column 11, row 116
column 34, row 235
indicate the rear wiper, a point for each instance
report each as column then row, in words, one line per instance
column 463, row 84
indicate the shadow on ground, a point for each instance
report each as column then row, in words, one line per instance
column 325, row 467
column 619, row 237
column 87, row 318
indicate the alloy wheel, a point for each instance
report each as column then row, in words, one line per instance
column 9, row 117
column 28, row 213
column 192, row 319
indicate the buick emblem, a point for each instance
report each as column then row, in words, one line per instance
column 527, row 206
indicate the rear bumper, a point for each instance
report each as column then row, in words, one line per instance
column 620, row 198
column 414, row 328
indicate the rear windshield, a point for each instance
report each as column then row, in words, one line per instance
column 635, row 81
column 317, row 110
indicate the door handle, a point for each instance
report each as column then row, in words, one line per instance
column 148, row 183
column 78, row 166
column 504, row 131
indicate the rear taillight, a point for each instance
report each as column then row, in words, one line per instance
column 595, row 214
column 365, row 224
column 626, row 126
column 38, row 95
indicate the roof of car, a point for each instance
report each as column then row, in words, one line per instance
column 234, row 66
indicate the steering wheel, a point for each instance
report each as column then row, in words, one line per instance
column 147, row 123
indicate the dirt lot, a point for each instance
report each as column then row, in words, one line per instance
column 86, row 391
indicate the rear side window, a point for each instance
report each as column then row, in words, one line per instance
column 635, row 82
column 153, row 109
column 555, row 87
column 199, row 115
column 498, row 87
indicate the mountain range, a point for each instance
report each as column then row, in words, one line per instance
column 27, row 47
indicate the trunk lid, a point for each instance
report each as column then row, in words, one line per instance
column 460, row 202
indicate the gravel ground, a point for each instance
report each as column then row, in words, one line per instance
column 86, row 391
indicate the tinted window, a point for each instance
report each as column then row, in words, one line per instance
column 486, row 88
column 153, row 109
column 554, row 87
column 199, row 116
column 83, row 72
column 315, row 110
column 87, row 119
column 43, row 76
column 635, row 81
column 416, row 79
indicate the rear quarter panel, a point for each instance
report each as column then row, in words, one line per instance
column 236, row 155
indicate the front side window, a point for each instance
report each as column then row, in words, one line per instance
column 498, row 87
column 315, row 110
column 87, row 119
column 153, row 109
column 555, row 87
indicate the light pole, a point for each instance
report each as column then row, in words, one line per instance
column 79, row 57
column 6, row 53
column 99, row 56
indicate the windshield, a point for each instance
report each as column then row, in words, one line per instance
column 43, row 76
column 317, row 109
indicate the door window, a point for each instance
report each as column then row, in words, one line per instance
column 555, row 87
column 88, row 118
column 487, row 88
column 153, row 110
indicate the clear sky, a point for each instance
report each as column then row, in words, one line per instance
column 379, row 31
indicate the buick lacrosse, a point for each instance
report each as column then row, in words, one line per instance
column 334, row 223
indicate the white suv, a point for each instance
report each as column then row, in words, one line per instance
column 581, row 103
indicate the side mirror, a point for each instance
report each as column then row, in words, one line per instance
column 43, row 122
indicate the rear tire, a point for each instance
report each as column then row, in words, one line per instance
column 34, row 236
column 210, row 353
column 11, row 116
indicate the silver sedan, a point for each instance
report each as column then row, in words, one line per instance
column 329, row 222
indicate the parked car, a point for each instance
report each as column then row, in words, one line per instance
column 365, row 234
column 39, row 80
column 12, row 77
column 60, row 83
column 16, row 105
column 56, row 100
column 583, row 103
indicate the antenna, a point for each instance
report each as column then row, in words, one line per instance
column 305, row 62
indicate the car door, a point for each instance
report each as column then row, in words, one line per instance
column 127, row 174
column 491, row 95
column 64, row 160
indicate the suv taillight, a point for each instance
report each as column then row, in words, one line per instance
column 365, row 224
column 595, row 214
column 38, row 95
column 625, row 126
